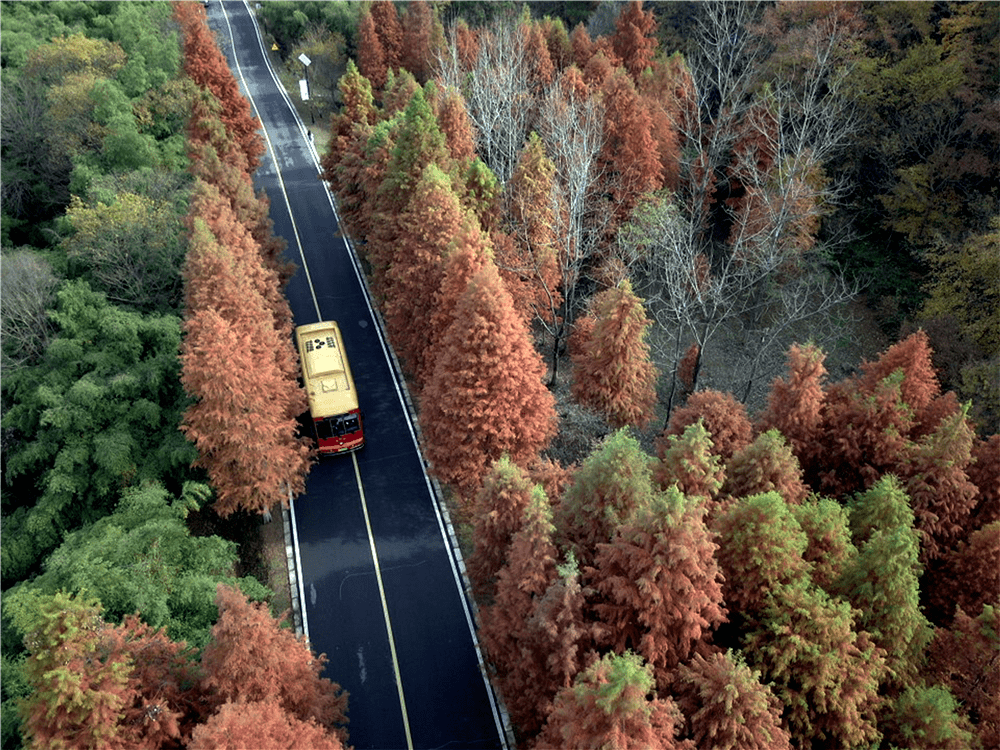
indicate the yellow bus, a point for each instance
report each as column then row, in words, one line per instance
column 333, row 398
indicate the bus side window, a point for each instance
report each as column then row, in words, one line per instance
column 323, row 431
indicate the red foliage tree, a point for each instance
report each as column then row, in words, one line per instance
column 497, row 515
column 582, row 46
column 660, row 590
column 486, row 396
column 689, row 462
column 453, row 118
column 634, row 40
column 389, row 31
column 416, row 54
column 427, row 227
column 939, row 489
column 466, row 44
column 260, row 724
column 505, row 632
column 766, row 465
column 795, row 404
column 530, row 265
column 609, row 706
column 629, row 156
column 964, row 658
column 912, row 355
column 87, row 690
column 205, row 64
column 724, row 417
column 251, row 658
column 469, row 253
column 864, row 436
column 371, row 54
column 657, row 87
column 969, row 578
column 727, row 706
column 984, row 472
column 613, row 370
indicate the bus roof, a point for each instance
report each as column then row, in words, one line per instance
column 325, row 369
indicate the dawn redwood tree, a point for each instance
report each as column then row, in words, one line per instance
column 919, row 385
column 829, row 548
column 469, row 252
column 486, row 395
column 761, row 549
column 609, row 706
column 766, row 465
column 261, row 724
column 964, row 658
column 453, row 118
column 724, row 417
column 498, row 513
column 612, row 483
column 371, row 54
column 634, row 40
column 417, row 31
column 390, row 33
column 969, row 577
column 882, row 581
column 531, row 266
column 251, row 658
column 928, row 716
column 96, row 685
column 658, row 585
column 505, row 632
column 984, row 472
column 629, row 156
column 688, row 460
column 427, row 226
column 939, row 489
column 726, row 705
column 206, row 66
column 824, row 671
column 613, row 372
column 795, row 403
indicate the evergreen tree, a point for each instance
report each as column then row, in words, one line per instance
column 928, row 717
column 612, row 483
column 727, row 706
column 829, row 549
column 609, row 705
column 882, row 581
column 613, row 370
column 689, row 461
column 486, row 396
column 761, row 548
column 824, row 672
column 660, row 590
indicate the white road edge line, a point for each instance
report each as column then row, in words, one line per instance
column 502, row 726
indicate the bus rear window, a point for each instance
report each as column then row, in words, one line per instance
column 338, row 426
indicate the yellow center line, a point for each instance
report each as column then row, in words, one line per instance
column 385, row 606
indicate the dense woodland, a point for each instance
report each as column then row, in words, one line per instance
column 541, row 193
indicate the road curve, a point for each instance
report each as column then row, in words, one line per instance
column 382, row 595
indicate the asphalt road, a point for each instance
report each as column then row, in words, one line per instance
column 382, row 597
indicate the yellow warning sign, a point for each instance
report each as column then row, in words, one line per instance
column 274, row 47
